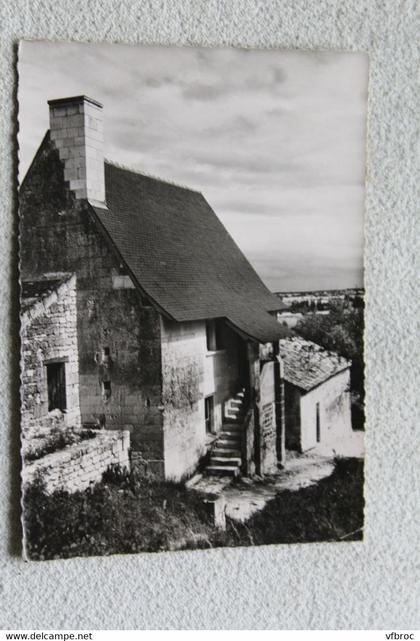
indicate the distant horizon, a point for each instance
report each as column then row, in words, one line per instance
column 274, row 140
column 318, row 289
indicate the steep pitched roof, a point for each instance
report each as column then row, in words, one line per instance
column 307, row 364
column 181, row 255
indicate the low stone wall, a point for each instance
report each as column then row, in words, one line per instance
column 48, row 335
column 77, row 466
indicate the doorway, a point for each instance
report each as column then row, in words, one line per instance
column 209, row 414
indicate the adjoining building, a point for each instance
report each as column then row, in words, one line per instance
column 142, row 314
column 316, row 394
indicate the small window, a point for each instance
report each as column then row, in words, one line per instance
column 209, row 414
column 120, row 279
column 106, row 390
column 106, row 358
column 214, row 335
column 56, row 379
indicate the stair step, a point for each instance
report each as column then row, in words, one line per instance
column 237, row 418
column 229, row 442
column 233, row 410
column 226, row 452
column 223, row 470
column 236, row 434
column 232, row 427
column 221, row 460
column 236, row 402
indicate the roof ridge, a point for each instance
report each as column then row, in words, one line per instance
column 132, row 170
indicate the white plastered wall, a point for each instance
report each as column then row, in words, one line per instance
column 333, row 397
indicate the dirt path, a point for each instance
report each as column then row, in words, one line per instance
column 246, row 496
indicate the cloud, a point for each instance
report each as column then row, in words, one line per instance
column 204, row 92
column 274, row 140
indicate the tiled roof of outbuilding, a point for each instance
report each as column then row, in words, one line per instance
column 181, row 255
column 307, row 364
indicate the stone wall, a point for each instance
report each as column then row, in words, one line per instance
column 333, row 397
column 248, row 444
column 48, row 334
column 79, row 466
column 267, row 419
column 118, row 331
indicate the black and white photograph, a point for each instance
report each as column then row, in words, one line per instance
column 191, row 297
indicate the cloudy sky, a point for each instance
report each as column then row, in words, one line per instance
column 275, row 140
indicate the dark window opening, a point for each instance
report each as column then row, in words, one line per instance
column 214, row 335
column 56, row 380
column 106, row 351
column 209, row 414
column 106, row 390
column 210, row 336
column 318, row 424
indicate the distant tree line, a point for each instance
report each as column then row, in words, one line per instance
column 314, row 305
column 341, row 331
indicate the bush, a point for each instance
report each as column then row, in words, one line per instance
column 330, row 510
column 117, row 474
column 62, row 524
column 152, row 516
column 341, row 331
column 109, row 519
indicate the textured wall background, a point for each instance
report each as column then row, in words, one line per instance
column 349, row 585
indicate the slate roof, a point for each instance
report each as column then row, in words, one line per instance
column 179, row 253
column 307, row 364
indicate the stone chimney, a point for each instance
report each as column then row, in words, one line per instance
column 76, row 128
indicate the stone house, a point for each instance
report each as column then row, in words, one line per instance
column 316, row 394
column 139, row 311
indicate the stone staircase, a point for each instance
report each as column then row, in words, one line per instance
column 226, row 454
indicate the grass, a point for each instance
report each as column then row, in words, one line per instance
column 120, row 517
column 331, row 510
column 57, row 439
